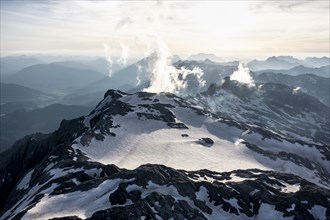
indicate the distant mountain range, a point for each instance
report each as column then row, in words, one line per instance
column 287, row 62
column 317, row 62
column 18, row 93
column 13, row 64
column 204, row 56
column 323, row 71
column 16, row 97
column 98, row 64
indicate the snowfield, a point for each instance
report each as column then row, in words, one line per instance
column 139, row 140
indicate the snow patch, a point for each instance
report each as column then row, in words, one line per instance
column 318, row 212
column 24, row 183
column 80, row 203
column 293, row 206
column 269, row 212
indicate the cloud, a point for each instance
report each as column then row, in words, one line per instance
column 139, row 74
column 242, row 75
column 124, row 54
column 164, row 77
column 122, row 22
column 108, row 58
column 290, row 5
column 226, row 28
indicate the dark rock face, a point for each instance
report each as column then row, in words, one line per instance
column 119, row 196
column 29, row 152
column 206, row 142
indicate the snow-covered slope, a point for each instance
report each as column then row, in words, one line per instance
column 74, row 171
column 131, row 130
column 160, row 192
column 286, row 110
column 155, row 129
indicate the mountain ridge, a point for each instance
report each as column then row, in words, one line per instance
column 129, row 130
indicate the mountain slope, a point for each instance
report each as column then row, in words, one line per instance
column 15, row 97
column 285, row 110
column 18, row 93
column 66, row 78
column 96, row 64
column 124, row 79
column 10, row 107
column 70, row 171
column 17, row 124
column 314, row 85
column 12, row 64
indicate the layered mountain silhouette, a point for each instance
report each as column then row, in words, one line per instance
column 54, row 78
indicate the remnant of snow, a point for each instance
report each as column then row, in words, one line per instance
column 290, row 188
column 254, row 192
column 202, row 193
column 295, row 90
column 293, row 206
column 269, row 212
column 24, row 183
column 75, row 181
column 80, row 203
column 318, row 212
column 232, row 202
column 93, row 172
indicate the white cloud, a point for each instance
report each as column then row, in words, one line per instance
column 164, row 77
column 242, row 75
column 122, row 60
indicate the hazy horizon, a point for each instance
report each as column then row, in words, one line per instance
column 54, row 57
column 238, row 29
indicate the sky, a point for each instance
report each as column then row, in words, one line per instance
column 243, row 29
